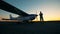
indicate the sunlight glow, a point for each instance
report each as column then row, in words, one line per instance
column 49, row 8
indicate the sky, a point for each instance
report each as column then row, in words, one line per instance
column 49, row 8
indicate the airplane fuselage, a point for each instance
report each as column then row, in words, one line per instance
column 25, row 18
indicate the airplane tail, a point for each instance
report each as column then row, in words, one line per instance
column 11, row 17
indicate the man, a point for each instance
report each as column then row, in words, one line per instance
column 41, row 16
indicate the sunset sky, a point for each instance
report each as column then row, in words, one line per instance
column 49, row 8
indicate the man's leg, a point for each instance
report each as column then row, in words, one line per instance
column 42, row 19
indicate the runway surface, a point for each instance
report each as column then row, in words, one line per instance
column 48, row 27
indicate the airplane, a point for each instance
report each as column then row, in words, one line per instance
column 24, row 17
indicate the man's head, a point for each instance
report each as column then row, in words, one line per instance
column 40, row 12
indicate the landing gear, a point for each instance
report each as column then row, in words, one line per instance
column 25, row 21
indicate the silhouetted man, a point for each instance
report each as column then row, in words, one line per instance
column 41, row 16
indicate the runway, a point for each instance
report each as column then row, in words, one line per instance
column 48, row 27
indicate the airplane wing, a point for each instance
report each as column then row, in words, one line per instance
column 7, row 7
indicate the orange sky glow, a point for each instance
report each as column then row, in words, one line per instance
column 49, row 8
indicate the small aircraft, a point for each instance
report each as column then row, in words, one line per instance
column 23, row 16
